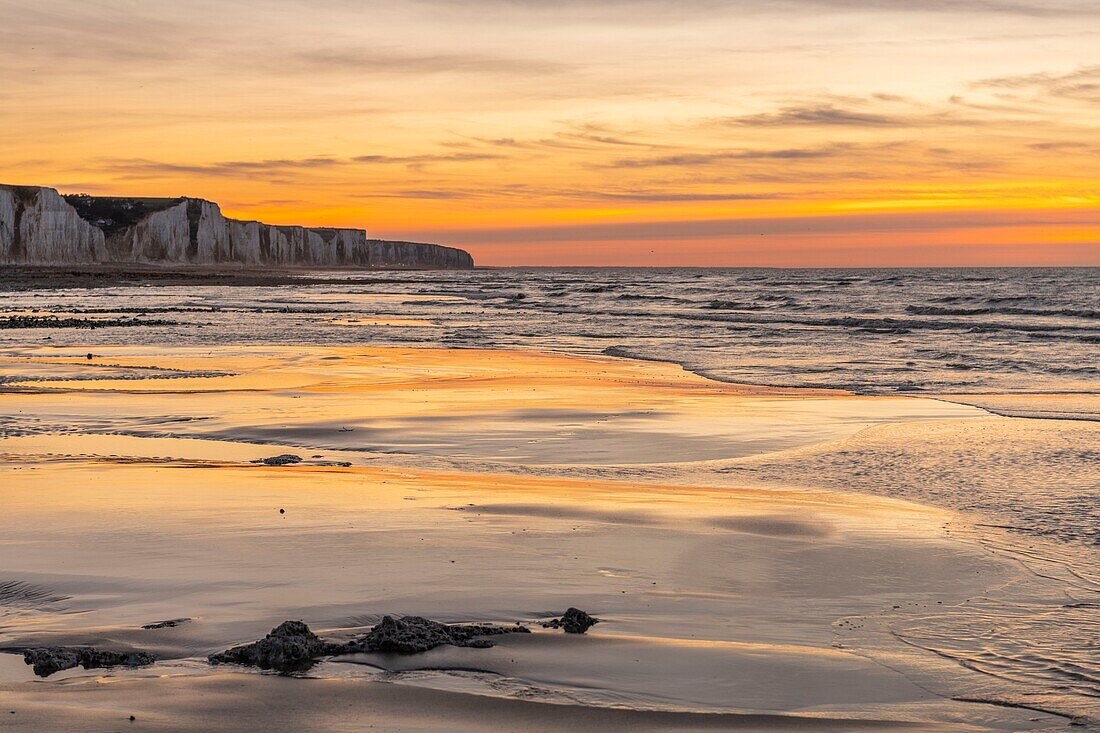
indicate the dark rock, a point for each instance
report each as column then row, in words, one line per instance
column 289, row 647
column 413, row 634
column 280, row 460
column 573, row 621
column 169, row 624
column 96, row 658
column 48, row 660
column 19, row 322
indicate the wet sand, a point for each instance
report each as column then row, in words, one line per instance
column 271, row 703
column 470, row 496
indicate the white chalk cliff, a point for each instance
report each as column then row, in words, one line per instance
column 38, row 226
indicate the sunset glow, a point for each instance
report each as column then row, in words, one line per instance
column 789, row 133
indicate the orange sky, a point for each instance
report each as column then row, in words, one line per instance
column 715, row 132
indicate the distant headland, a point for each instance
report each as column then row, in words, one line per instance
column 40, row 227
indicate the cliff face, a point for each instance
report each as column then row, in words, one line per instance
column 40, row 227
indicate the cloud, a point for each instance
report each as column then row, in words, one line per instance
column 824, row 115
column 264, row 203
column 875, row 110
column 441, row 194
column 578, row 136
column 375, row 60
column 764, row 226
column 687, row 160
column 72, row 32
column 831, row 161
column 602, row 134
column 1081, row 84
column 97, row 188
column 145, row 168
column 671, row 197
column 427, row 158
column 644, row 12
column 603, row 139
column 560, row 141
column 1059, row 146
column 1027, row 8
column 528, row 193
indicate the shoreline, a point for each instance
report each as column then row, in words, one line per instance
column 995, row 402
column 522, row 301
column 21, row 278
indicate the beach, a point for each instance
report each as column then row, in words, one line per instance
column 740, row 581
column 511, row 366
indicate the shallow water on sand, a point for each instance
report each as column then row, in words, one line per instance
column 131, row 500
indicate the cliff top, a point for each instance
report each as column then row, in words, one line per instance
column 114, row 213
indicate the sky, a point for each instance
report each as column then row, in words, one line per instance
column 625, row 132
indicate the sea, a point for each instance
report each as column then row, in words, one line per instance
column 882, row 331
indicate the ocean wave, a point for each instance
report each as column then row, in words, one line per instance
column 639, row 296
column 1081, row 338
column 733, row 305
column 891, row 323
column 931, row 310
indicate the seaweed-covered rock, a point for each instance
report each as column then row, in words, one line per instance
column 413, row 634
column 285, row 459
column 48, row 660
column 573, row 621
column 169, row 624
column 289, row 647
column 52, row 321
column 95, row 658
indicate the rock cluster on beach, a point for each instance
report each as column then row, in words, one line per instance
column 47, row 660
column 292, row 646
